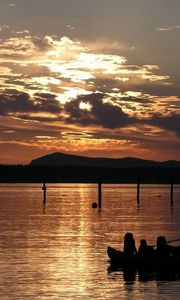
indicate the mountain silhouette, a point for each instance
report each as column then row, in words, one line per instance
column 62, row 159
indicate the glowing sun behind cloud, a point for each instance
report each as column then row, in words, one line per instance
column 85, row 105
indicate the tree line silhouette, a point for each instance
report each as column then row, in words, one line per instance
column 82, row 174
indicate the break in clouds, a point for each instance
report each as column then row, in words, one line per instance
column 69, row 84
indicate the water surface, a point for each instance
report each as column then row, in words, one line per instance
column 59, row 252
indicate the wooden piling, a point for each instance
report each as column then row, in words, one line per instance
column 44, row 192
column 171, row 191
column 138, row 191
column 99, row 193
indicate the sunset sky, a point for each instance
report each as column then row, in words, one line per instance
column 97, row 78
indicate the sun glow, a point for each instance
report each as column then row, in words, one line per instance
column 106, row 62
column 70, row 93
column 85, row 106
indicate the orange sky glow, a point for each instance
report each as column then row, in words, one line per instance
column 96, row 97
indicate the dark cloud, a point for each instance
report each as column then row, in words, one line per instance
column 22, row 103
column 43, row 44
column 101, row 113
column 108, row 116
column 171, row 122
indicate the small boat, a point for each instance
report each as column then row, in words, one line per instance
column 120, row 260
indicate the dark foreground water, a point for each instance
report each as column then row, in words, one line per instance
column 60, row 252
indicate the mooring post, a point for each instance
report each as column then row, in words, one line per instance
column 138, row 191
column 44, row 192
column 171, row 193
column 99, row 192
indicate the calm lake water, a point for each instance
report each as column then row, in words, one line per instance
column 60, row 252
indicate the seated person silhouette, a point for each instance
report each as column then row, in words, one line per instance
column 129, row 244
column 144, row 249
column 163, row 249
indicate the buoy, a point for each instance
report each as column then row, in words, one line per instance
column 94, row 205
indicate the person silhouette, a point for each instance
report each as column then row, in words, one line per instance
column 163, row 249
column 129, row 244
column 145, row 249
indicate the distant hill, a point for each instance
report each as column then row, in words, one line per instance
column 63, row 168
column 62, row 159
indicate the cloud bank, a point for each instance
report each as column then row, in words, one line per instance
column 70, row 96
